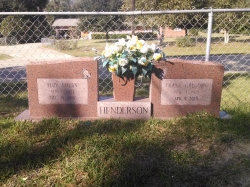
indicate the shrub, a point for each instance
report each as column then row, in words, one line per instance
column 147, row 35
column 141, row 35
column 185, row 42
column 193, row 32
column 110, row 36
column 66, row 44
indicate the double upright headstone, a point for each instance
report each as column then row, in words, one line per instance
column 70, row 89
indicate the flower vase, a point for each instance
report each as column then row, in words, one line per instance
column 123, row 88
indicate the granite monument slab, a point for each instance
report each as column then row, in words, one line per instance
column 63, row 88
column 180, row 87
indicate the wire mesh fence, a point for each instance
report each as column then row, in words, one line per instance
column 43, row 37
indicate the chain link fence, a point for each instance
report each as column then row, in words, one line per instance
column 42, row 37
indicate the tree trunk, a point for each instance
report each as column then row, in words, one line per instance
column 107, row 36
column 161, row 36
column 133, row 18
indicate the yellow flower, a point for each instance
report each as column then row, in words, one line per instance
column 139, row 44
column 143, row 61
column 157, row 56
column 112, row 68
column 132, row 48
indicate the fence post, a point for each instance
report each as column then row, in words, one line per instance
column 209, row 34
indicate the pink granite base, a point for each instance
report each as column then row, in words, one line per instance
column 180, row 87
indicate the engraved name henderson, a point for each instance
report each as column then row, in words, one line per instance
column 124, row 110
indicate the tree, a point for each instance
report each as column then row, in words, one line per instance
column 14, row 26
column 24, row 28
column 23, row 5
column 159, row 22
column 60, row 6
column 231, row 22
column 99, row 23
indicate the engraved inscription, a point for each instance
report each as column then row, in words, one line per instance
column 124, row 109
column 62, row 91
column 186, row 91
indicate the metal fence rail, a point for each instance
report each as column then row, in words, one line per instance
column 219, row 35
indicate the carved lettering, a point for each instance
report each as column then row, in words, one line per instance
column 62, row 91
column 186, row 91
column 52, row 85
column 127, row 110
column 124, row 109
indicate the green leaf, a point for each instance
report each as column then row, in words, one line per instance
column 124, row 70
column 125, row 53
column 105, row 62
column 144, row 72
column 150, row 67
column 134, row 60
column 163, row 55
column 134, row 70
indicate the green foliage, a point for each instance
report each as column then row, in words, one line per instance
column 146, row 35
column 12, row 26
column 65, row 44
column 169, row 20
column 232, row 22
column 185, row 41
column 24, row 5
column 141, row 35
column 111, row 36
column 193, row 32
column 100, row 23
column 4, row 56
column 24, row 29
column 130, row 58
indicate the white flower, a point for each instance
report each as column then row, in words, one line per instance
column 116, row 48
column 107, row 53
column 153, row 47
column 143, row 61
column 144, row 49
column 130, row 45
column 134, row 38
column 157, row 56
column 121, row 42
column 123, row 61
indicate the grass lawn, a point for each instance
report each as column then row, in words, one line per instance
column 4, row 57
column 238, row 45
column 199, row 150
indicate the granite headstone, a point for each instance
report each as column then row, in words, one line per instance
column 63, row 88
column 180, row 87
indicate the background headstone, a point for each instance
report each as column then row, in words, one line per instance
column 179, row 87
column 63, row 88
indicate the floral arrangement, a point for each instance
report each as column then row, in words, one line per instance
column 130, row 57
